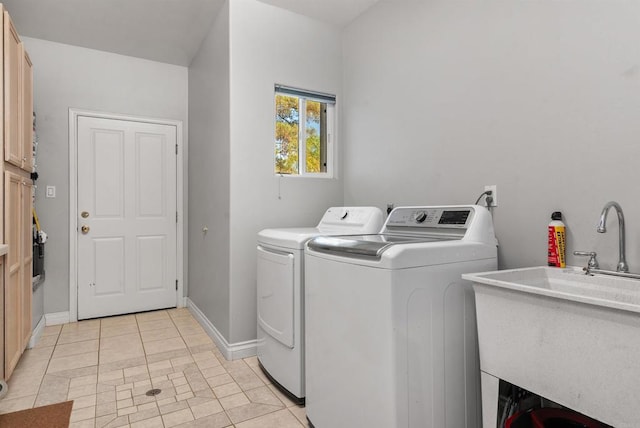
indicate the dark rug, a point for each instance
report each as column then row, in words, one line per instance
column 52, row 416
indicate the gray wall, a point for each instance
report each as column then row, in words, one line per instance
column 209, row 193
column 268, row 46
column 37, row 306
column 540, row 98
column 233, row 189
column 72, row 77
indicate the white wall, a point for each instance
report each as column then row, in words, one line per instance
column 209, row 175
column 540, row 98
column 270, row 45
column 37, row 306
column 72, row 77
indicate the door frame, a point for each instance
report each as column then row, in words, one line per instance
column 74, row 114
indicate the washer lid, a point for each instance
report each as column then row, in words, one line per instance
column 367, row 245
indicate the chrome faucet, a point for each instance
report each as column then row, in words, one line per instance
column 602, row 228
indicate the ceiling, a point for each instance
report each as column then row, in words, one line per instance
column 169, row 31
column 336, row 12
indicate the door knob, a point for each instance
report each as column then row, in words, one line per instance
column 84, row 229
column 84, row 214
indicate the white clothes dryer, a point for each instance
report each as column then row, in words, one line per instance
column 280, row 292
column 390, row 325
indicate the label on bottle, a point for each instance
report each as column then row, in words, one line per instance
column 556, row 247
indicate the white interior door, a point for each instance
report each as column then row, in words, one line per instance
column 126, row 199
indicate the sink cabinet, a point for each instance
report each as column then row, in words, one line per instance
column 581, row 354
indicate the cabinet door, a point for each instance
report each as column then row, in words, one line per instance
column 13, row 291
column 2, row 321
column 12, row 88
column 27, row 111
column 26, row 256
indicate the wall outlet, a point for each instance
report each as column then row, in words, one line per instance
column 390, row 207
column 494, row 194
column 51, row 192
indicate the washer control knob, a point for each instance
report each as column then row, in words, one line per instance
column 420, row 216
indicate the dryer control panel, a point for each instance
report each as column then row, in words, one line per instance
column 351, row 220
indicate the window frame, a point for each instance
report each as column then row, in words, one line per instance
column 331, row 104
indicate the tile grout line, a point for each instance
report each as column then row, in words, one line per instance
column 95, row 407
column 123, row 369
column 97, row 369
column 146, row 363
column 191, row 355
column 144, row 349
column 46, row 368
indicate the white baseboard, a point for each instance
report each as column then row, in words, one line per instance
column 56, row 318
column 231, row 351
column 36, row 333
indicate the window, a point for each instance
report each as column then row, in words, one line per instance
column 304, row 132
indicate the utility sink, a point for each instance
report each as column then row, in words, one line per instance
column 568, row 284
column 569, row 337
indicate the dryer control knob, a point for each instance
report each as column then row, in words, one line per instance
column 420, row 216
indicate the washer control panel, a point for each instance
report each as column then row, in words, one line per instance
column 454, row 217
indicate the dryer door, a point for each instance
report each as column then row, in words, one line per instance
column 275, row 294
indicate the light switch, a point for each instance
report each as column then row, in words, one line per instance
column 51, row 192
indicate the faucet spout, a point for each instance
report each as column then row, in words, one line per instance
column 602, row 228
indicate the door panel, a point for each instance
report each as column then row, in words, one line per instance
column 3, row 320
column 127, row 185
column 151, row 162
column 107, row 175
column 12, row 88
column 108, row 264
column 27, row 111
column 26, row 232
column 151, row 253
column 12, row 291
column 275, row 274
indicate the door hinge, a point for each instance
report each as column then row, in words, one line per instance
column 176, row 216
column 176, row 149
column 176, row 284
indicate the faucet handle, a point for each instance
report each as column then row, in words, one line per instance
column 593, row 262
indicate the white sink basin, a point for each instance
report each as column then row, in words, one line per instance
column 566, row 336
column 569, row 284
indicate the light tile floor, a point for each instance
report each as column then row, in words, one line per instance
column 107, row 365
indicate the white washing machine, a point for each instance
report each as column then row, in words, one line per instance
column 390, row 325
column 280, row 291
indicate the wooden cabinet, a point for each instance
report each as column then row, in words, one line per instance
column 13, row 148
column 26, row 260
column 18, row 99
column 17, row 278
column 26, row 117
column 16, row 131
column 13, row 277
column 12, row 295
column 2, row 256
